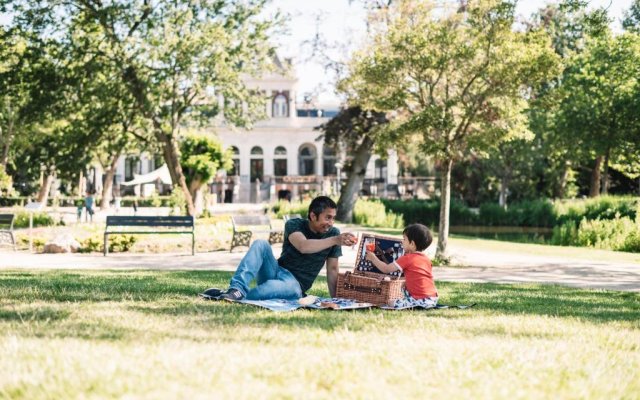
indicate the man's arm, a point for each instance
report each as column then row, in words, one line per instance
column 309, row 246
column 332, row 275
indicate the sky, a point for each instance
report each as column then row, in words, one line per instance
column 342, row 23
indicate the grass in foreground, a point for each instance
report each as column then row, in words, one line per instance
column 112, row 334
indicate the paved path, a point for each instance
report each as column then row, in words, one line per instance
column 481, row 266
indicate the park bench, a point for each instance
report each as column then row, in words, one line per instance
column 244, row 226
column 6, row 230
column 137, row 225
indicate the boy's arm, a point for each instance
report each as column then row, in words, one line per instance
column 381, row 265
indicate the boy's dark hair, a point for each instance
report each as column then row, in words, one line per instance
column 418, row 234
column 319, row 204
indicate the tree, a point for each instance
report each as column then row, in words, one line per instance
column 598, row 110
column 201, row 157
column 356, row 130
column 460, row 79
column 171, row 56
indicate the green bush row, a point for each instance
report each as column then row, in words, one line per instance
column 21, row 219
column 533, row 213
column 619, row 233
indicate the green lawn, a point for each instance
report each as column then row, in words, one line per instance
column 144, row 334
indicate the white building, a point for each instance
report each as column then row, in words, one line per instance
column 283, row 153
column 279, row 157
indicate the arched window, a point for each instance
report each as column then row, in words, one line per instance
column 280, row 161
column 280, row 106
column 329, row 160
column 307, row 159
column 256, row 164
column 235, row 170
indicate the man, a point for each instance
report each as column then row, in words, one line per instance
column 308, row 245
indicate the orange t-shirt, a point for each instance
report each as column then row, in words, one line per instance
column 418, row 275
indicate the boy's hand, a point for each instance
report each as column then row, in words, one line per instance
column 370, row 256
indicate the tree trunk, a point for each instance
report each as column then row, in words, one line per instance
column 561, row 186
column 594, row 190
column 107, row 188
column 170, row 152
column 6, row 141
column 351, row 191
column 504, row 187
column 605, row 174
column 445, row 205
column 45, row 188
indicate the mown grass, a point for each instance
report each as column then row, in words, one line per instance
column 145, row 334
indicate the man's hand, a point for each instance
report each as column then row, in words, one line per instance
column 346, row 239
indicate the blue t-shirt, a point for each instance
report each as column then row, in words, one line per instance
column 306, row 267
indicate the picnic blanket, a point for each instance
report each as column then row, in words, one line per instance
column 320, row 303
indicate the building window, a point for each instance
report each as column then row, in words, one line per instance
column 307, row 160
column 329, row 160
column 280, row 106
column 381, row 170
column 235, row 169
column 280, row 161
column 256, row 164
column 132, row 166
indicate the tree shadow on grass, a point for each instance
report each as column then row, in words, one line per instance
column 174, row 293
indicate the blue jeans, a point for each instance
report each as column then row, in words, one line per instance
column 273, row 281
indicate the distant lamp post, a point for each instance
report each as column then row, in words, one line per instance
column 339, row 166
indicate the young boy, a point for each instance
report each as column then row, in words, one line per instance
column 420, row 289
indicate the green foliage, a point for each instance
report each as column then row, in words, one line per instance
column 121, row 243
column 373, row 213
column 93, row 244
column 537, row 213
column 39, row 219
column 603, row 207
column 427, row 212
column 619, row 234
column 201, row 156
column 282, row 208
column 6, row 183
column 177, row 202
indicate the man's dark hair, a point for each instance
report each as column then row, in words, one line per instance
column 418, row 234
column 319, row 204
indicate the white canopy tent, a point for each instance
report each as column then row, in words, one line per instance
column 161, row 173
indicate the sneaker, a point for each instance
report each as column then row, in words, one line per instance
column 211, row 292
column 232, row 294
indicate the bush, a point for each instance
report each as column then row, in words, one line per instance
column 604, row 208
column 565, row 234
column 534, row 213
column 373, row 213
column 39, row 219
column 427, row 212
column 283, row 207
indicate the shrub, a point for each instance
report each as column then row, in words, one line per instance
column 427, row 212
column 373, row 213
column 39, row 219
column 283, row 207
column 604, row 208
column 565, row 234
column 537, row 213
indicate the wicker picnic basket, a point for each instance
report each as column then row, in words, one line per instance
column 369, row 287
